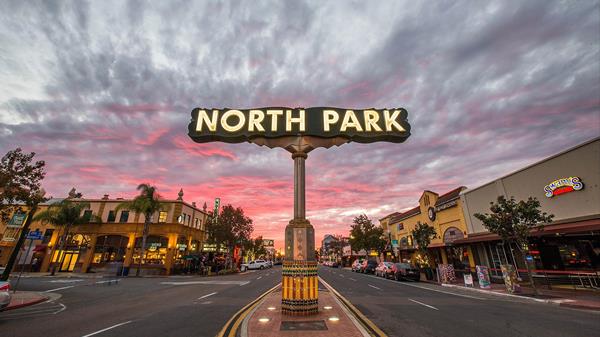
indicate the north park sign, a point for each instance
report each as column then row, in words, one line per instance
column 299, row 131
column 243, row 125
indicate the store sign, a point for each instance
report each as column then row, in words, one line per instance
column 154, row 246
column 452, row 234
column 563, row 185
column 237, row 126
column 446, row 205
column 17, row 220
column 181, row 246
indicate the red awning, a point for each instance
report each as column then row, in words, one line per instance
column 40, row 248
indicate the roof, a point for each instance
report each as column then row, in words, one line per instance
column 389, row 215
column 407, row 214
column 447, row 197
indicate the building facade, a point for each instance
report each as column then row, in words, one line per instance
column 175, row 238
column 568, row 186
column 444, row 213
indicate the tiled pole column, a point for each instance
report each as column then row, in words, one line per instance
column 300, row 283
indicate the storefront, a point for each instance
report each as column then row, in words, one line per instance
column 568, row 186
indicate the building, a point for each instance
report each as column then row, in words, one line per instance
column 329, row 248
column 442, row 212
column 174, row 240
column 568, row 186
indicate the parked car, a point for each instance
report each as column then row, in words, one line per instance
column 256, row 264
column 405, row 271
column 356, row 265
column 4, row 295
column 368, row 267
column 384, row 269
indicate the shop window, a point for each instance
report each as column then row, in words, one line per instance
column 162, row 217
column 124, row 216
column 112, row 215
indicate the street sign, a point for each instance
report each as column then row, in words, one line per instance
column 35, row 235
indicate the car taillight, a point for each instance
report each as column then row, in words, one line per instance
column 5, row 287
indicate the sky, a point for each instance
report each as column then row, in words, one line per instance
column 102, row 91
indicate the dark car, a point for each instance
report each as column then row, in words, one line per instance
column 368, row 267
column 405, row 271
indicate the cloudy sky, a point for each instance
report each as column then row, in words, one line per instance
column 103, row 93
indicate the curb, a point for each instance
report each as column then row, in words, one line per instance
column 497, row 293
column 370, row 328
column 26, row 304
column 579, row 306
column 232, row 326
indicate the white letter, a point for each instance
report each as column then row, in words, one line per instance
column 371, row 119
column 289, row 120
column 329, row 117
column 354, row 124
column 238, row 126
column 389, row 121
column 256, row 117
column 203, row 118
column 274, row 114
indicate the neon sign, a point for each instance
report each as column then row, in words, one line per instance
column 563, row 185
column 361, row 126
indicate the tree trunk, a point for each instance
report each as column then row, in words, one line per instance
column 529, row 271
column 143, row 250
column 61, row 248
column 20, row 241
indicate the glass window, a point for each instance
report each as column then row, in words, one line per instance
column 124, row 216
column 87, row 215
column 112, row 215
column 181, row 218
column 189, row 217
column 162, row 216
column 197, row 223
column 47, row 235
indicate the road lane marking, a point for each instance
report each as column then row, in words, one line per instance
column 61, row 288
column 244, row 283
column 372, row 286
column 426, row 288
column 258, row 278
column 350, row 278
column 204, row 282
column 106, row 329
column 342, row 275
column 421, row 303
column 205, row 296
column 107, row 281
column 65, row 281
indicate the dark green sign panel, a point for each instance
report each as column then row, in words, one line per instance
column 361, row 126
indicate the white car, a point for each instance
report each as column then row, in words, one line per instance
column 256, row 264
column 4, row 295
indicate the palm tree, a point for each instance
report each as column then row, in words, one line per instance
column 147, row 203
column 66, row 214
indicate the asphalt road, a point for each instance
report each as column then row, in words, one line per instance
column 421, row 309
column 170, row 306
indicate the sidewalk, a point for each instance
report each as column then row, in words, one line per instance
column 25, row 298
column 580, row 299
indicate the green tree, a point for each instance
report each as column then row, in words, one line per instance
column 365, row 235
column 20, row 185
column 146, row 203
column 254, row 248
column 513, row 221
column 422, row 235
column 232, row 227
column 65, row 214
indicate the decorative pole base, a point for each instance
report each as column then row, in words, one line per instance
column 300, row 284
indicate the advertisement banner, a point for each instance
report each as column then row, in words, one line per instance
column 483, row 274
column 509, row 274
column 468, row 280
column 446, row 272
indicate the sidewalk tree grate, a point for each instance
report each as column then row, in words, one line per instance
column 303, row 325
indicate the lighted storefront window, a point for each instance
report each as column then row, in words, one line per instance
column 156, row 250
column 162, row 217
